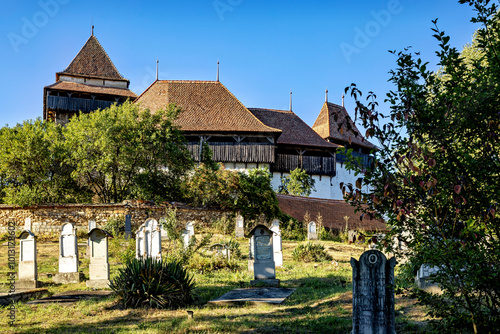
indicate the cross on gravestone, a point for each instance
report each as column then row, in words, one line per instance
column 262, row 256
column 28, row 274
column 277, row 243
column 128, row 226
column 99, row 266
column 240, row 227
column 373, row 293
column 311, row 231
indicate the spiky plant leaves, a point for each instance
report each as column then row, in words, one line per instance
column 152, row 283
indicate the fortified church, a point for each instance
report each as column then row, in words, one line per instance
column 239, row 136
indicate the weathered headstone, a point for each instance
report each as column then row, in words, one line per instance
column 220, row 250
column 153, row 239
column 312, row 233
column 373, row 293
column 128, row 226
column 27, row 224
column 68, row 256
column 28, row 275
column 186, row 238
column 190, row 228
column 352, row 236
column 140, row 243
column 277, row 244
column 99, row 266
column 240, row 227
column 92, row 225
column 424, row 281
column 261, row 253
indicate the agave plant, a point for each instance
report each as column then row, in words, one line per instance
column 151, row 283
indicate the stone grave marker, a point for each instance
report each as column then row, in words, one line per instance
column 277, row 244
column 27, row 224
column 185, row 238
column 220, row 250
column 312, row 233
column 28, row 275
column 99, row 266
column 153, row 239
column 128, row 226
column 373, row 293
column 423, row 279
column 92, row 225
column 240, row 227
column 190, row 228
column 140, row 244
column 262, row 256
column 68, row 256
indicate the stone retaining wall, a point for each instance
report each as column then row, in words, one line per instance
column 49, row 218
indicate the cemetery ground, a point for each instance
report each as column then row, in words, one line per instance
column 321, row 303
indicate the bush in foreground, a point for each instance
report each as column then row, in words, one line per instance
column 152, row 283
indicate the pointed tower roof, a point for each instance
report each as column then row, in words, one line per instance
column 92, row 62
column 327, row 126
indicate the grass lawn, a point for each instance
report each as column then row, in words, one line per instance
column 322, row 302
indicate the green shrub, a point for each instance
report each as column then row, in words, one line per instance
column 209, row 263
column 234, row 247
column 152, row 283
column 310, row 252
column 115, row 225
column 293, row 230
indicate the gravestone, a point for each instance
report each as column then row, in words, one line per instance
column 186, row 238
column 261, row 253
column 99, row 266
column 92, row 225
column 27, row 224
column 153, row 239
column 277, row 244
column 312, row 233
column 148, row 240
column 28, row 275
column 373, row 293
column 68, row 256
column 220, row 250
column 423, row 279
column 128, row 226
column 140, row 245
column 240, row 227
column 190, row 228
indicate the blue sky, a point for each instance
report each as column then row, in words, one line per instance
column 266, row 48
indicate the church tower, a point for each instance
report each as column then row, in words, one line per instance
column 90, row 82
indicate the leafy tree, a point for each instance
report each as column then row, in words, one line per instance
column 33, row 166
column 435, row 179
column 121, row 152
column 298, row 183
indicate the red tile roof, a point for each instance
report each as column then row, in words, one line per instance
column 207, row 106
column 326, row 125
column 332, row 211
column 295, row 130
column 91, row 89
column 92, row 61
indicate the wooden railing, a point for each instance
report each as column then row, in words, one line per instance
column 366, row 159
column 311, row 164
column 76, row 104
column 234, row 152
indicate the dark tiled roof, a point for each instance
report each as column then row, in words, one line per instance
column 326, row 125
column 93, row 61
column 207, row 106
column 91, row 89
column 295, row 131
column 332, row 211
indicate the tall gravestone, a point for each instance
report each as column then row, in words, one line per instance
column 128, row 226
column 68, row 256
column 140, row 245
column 373, row 293
column 190, row 228
column 28, row 275
column 27, row 224
column 312, row 233
column 186, row 238
column 261, row 253
column 148, row 240
column 277, row 243
column 240, row 227
column 99, row 265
